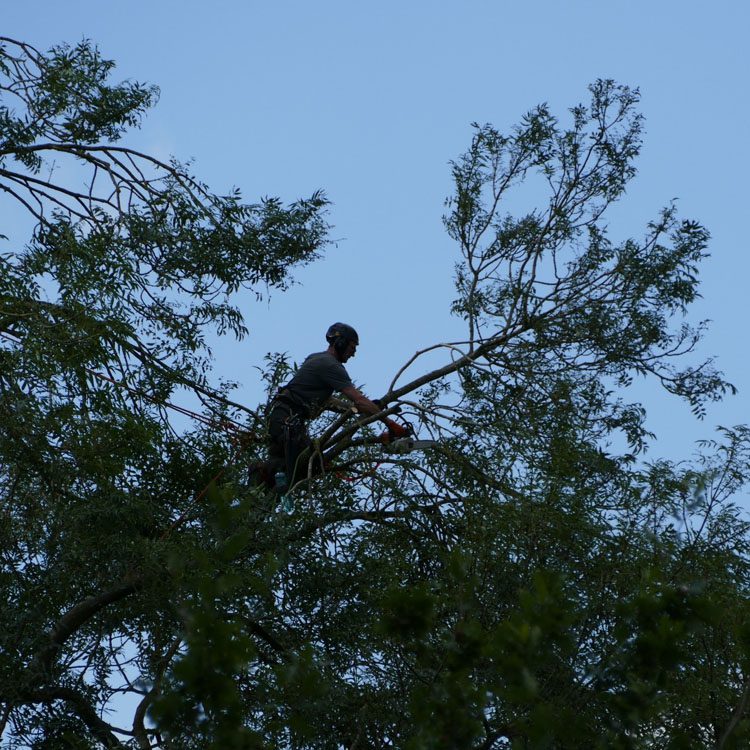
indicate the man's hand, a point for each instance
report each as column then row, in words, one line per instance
column 379, row 403
column 396, row 430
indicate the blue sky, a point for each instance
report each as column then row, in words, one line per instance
column 370, row 102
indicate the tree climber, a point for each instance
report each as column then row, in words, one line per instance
column 306, row 394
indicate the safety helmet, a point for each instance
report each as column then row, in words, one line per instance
column 340, row 334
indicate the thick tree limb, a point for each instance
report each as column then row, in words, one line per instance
column 336, row 444
column 139, row 728
column 257, row 629
column 75, row 617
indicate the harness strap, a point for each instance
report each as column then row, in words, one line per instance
column 295, row 404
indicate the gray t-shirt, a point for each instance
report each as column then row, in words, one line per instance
column 317, row 378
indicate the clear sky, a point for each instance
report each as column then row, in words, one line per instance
column 370, row 101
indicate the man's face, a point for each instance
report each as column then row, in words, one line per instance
column 350, row 351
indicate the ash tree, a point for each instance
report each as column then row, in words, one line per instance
column 534, row 580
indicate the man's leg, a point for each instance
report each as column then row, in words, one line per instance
column 296, row 443
column 276, row 439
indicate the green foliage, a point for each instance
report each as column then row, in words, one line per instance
column 201, row 692
column 532, row 582
column 103, row 314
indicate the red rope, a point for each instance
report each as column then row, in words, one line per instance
column 360, row 477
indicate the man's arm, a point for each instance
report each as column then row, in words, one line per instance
column 361, row 401
column 364, row 405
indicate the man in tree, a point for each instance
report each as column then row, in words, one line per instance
column 516, row 587
column 305, row 395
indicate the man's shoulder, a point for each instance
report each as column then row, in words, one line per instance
column 321, row 359
column 320, row 355
column 326, row 363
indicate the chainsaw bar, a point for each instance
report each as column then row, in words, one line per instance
column 408, row 444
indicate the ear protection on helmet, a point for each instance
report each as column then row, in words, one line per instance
column 339, row 335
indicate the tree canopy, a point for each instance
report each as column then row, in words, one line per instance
column 531, row 581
